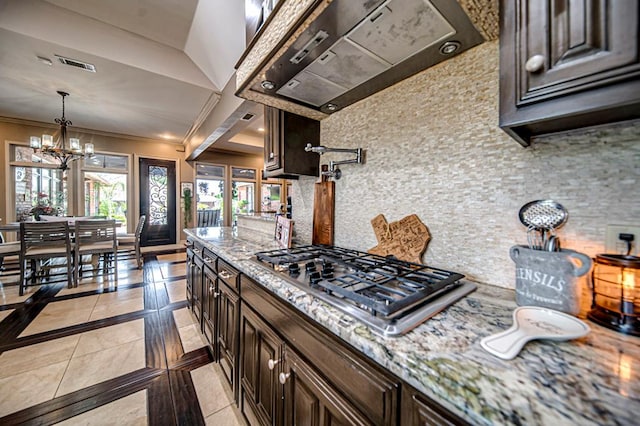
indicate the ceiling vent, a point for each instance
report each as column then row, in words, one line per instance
column 248, row 116
column 78, row 64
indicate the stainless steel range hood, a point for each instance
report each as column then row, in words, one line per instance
column 356, row 48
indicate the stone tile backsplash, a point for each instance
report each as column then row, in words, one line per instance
column 434, row 148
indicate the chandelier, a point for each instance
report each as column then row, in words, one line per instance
column 59, row 150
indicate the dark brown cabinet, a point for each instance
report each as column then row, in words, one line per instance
column 210, row 303
column 279, row 387
column 418, row 410
column 567, row 64
column 228, row 320
column 310, row 400
column 261, row 352
column 285, row 369
column 196, row 283
column 190, row 265
column 286, row 135
column 347, row 386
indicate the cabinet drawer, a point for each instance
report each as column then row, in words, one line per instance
column 370, row 389
column 210, row 259
column 197, row 248
column 228, row 274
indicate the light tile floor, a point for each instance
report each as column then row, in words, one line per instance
column 39, row 372
column 130, row 411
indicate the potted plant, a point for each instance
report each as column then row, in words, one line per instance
column 188, row 200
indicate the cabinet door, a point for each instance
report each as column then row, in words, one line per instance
column 260, row 391
column 272, row 157
column 369, row 389
column 190, row 266
column 310, row 400
column 572, row 45
column 228, row 315
column 197, row 285
column 418, row 410
column 210, row 308
column 567, row 64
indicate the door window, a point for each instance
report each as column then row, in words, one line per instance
column 158, row 201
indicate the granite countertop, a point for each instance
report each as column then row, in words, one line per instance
column 594, row 380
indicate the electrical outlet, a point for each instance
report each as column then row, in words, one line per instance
column 613, row 244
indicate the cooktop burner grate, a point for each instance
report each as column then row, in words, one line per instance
column 383, row 286
column 389, row 295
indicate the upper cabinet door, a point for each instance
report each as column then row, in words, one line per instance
column 567, row 64
column 272, row 138
column 571, row 45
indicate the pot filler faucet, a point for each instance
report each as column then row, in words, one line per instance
column 334, row 171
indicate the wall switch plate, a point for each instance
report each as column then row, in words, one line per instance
column 613, row 244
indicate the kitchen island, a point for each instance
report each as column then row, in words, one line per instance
column 592, row 380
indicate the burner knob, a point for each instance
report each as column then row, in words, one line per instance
column 327, row 273
column 310, row 267
column 315, row 278
column 327, row 270
column 294, row 269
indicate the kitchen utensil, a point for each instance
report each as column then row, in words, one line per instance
column 406, row 239
column 534, row 238
column 545, row 216
column 323, row 210
column 529, row 323
column 549, row 279
column 553, row 244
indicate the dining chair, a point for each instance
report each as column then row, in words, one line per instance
column 7, row 250
column 130, row 243
column 97, row 238
column 40, row 243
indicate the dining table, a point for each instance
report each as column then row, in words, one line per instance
column 15, row 226
column 71, row 220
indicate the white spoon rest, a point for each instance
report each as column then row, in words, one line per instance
column 529, row 323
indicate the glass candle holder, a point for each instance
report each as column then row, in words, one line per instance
column 616, row 293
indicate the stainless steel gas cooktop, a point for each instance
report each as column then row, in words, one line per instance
column 389, row 295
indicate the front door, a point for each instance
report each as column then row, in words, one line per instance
column 158, row 201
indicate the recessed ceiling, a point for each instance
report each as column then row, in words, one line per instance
column 245, row 136
column 160, row 64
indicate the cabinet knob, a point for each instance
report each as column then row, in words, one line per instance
column 272, row 363
column 216, row 294
column 211, row 289
column 224, row 274
column 271, row 155
column 534, row 63
column 208, row 260
column 282, row 378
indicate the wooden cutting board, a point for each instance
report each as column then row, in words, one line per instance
column 323, row 212
column 406, row 239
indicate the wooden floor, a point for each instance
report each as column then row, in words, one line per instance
column 98, row 354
